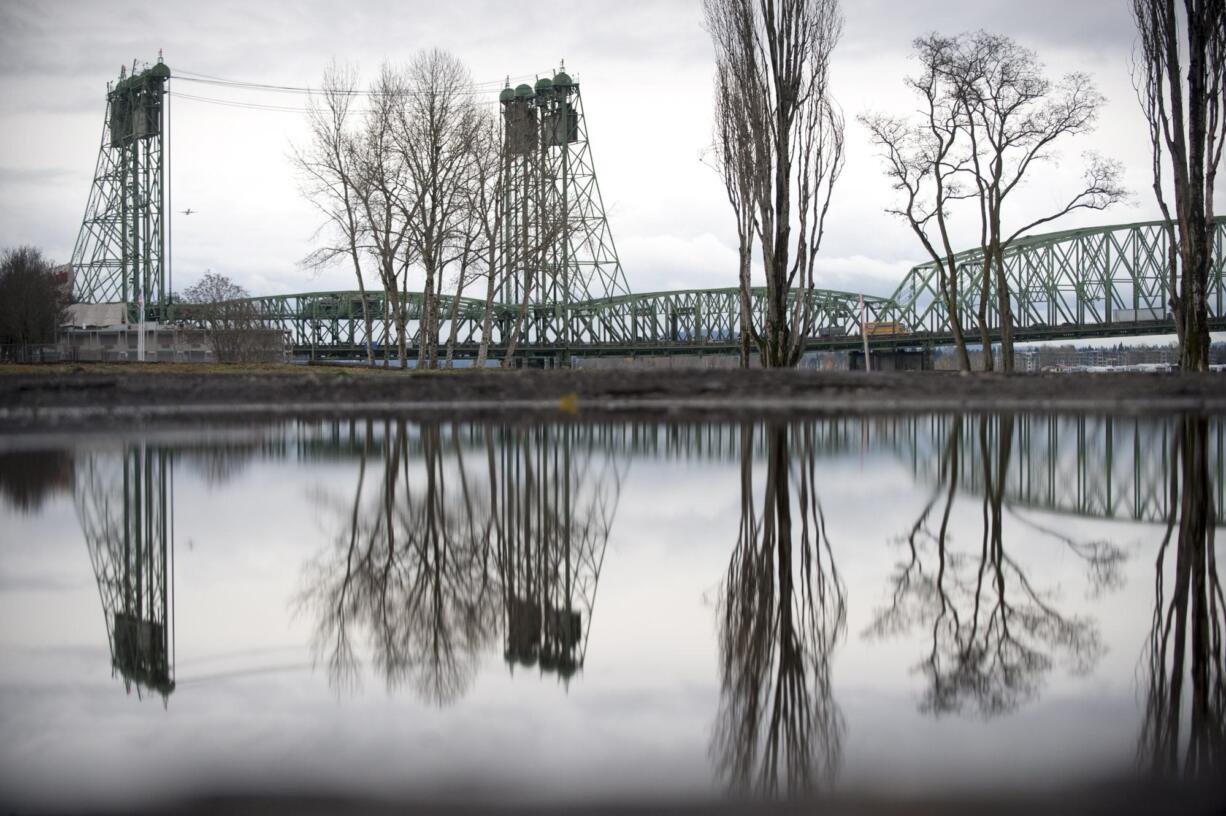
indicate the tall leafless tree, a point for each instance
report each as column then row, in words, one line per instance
column 1014, row 116
column 435, row 136
column 734, row 157
column 1187, row 127
column 773, row 68
column 925, row 159
column 476, row 238
column 328, row 179
column 486, row 203
column 386, row 196
column 989, row 117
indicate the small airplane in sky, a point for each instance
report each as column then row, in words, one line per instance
column 189, row 211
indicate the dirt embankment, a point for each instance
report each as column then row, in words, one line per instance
column 70, row 395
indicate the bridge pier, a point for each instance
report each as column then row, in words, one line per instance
column 897, row 359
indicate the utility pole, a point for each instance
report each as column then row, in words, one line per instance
column 868, row 363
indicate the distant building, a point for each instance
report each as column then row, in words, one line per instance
column 100, row 332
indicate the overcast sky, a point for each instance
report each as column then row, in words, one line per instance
column 645, row 69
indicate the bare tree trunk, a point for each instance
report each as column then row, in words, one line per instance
column 949, row 287
column 1012, row 116
column 747, row 328
column 436, row 143
column 985, row 337
column 1005, row 309
column 427, row 301
column 327, row 165
column 780, row 148
column 455, row 305
column 508, row 360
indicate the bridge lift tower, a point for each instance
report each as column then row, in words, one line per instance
column 555, row 236
column 120, row 254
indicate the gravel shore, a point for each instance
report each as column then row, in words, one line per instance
column 92, row 395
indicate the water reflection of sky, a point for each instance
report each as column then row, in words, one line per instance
column 252, row 711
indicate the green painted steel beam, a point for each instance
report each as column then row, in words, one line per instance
column 1068, row 285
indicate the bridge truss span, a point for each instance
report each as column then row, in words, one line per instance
column 1093, row 281
column 698, row 320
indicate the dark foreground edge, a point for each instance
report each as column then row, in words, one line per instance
column 1117, row 798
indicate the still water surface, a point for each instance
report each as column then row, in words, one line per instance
column 912, row 606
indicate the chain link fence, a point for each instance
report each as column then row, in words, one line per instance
column 36, row 353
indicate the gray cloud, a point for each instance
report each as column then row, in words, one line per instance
column 39, row 175
column 645, row 66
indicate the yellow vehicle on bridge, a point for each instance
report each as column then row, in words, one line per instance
column 884, row 328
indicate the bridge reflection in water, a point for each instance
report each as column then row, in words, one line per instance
column 466, row 534
column 125, row 507
column 455, row 538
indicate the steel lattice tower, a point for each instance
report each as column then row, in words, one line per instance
column 556, row 238
column 120, row 252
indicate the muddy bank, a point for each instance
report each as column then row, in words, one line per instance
column 79, row 395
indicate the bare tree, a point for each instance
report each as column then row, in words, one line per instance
column 988, row 117
column 924, row 159
column 486, row 203
column 1186, row 130
column 1013, row 116
column 434, row 139
column 476, row 239
column 386, row 197
column 774, row 56
column 225, row 311
column 328, row 180
column 734, row 159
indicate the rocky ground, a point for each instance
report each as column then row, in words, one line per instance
column 91, row 395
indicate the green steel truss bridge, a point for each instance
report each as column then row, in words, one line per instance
column 1094, row 282
column 565, row 292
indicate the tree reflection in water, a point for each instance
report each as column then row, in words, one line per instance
column 782, row 613
column 442, row 560
column 1183, row 656
column 993, row 632
column 29, row 477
